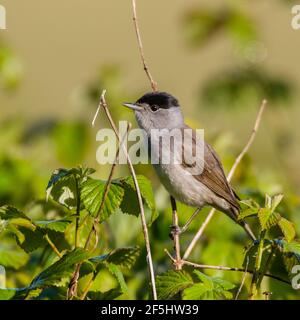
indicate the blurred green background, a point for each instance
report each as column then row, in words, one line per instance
column 220, row 59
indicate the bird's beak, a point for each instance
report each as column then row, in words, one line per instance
column 133, row 106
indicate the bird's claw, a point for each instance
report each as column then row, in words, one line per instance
column 174, row 231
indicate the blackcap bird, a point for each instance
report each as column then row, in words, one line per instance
column 209, row 186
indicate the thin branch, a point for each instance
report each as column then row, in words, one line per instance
column 243, row 279
column 229, row 177
column 175, row 234
column 78, row 204
column 107, row 187
column 73, row 283
column 139, row 197
column 52, row 245
column 223, row 268
column 139, row 39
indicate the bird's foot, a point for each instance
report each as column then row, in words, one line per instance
column 174, row 231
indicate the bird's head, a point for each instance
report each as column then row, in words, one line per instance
column 157, row 110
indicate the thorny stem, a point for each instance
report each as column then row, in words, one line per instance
column 254, row 283
column 266, row 266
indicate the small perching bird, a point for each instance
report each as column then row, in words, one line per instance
column 194, row 183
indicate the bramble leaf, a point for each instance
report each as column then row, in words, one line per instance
column 92, row 193
column 172, row 282
column 210, row 288
column 287, row 228
column 130, row 203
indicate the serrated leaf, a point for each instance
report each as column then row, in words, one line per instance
column 210, row 288
column 268, row 218
column 250, row 203
column 291, row 254
column 12, row 258
column 130, row 203
column 9, row 212
column 247, row 213
column 62, row 188
column 108, row 295
column 287, row 228
column 56, row 274
column 92, row 193
column 124, row 257
column 276, row 201
column 171, row 283
column 115, row 271
column 55, row 225
column 29, row 240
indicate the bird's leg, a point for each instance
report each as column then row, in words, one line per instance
column 175, row 236
column 175, row 229
column 192, row 217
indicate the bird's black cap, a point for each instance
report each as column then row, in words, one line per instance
column 161, row 99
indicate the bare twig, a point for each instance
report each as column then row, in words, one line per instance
column 175, row 235
column 72, row 291
column 52, row 245
column 243, row 279
column 223, row 268
column 106, row 188
column 229, row 177
column 139, row 196
column 139, row 39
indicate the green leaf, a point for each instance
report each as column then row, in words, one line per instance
column 287, row 228
column 12, row 258
column 29, row 240
column 171, row 283
column 252, row 209
column 59, row 272
column 130, row 203
column 268, row 218
column 108, row 295
column 250, row 203
column 291, row 254
column 55, row 225
column 115, row 271
column 210, row 288
column 92, row 193
column 62, row 188
column 276, row 201
column 124, row 257
column 9, row 212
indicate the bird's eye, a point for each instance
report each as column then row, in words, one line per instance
column 154, row 108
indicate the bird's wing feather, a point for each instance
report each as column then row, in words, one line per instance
column 213, row 176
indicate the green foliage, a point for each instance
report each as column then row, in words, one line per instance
column 10, row 68
column 201, row 25
column 170, row 283
column 268, row 217
column 233, row 87
column 92, row 194
column 78, row 192
column 208, row 288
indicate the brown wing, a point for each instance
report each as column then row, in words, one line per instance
column 213, row 176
